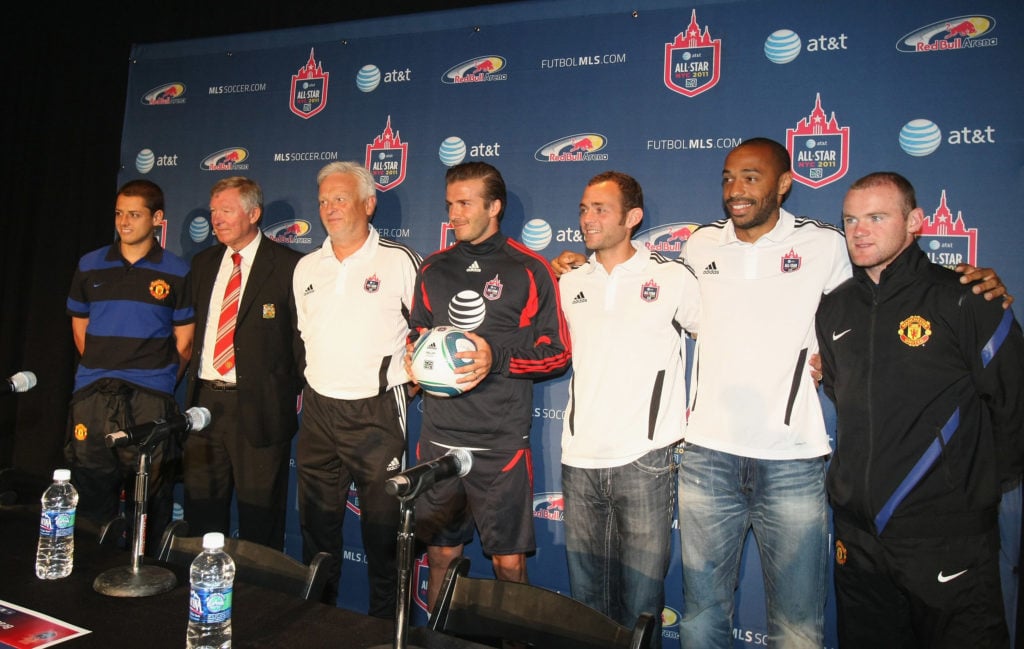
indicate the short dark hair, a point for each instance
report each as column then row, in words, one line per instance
column 778, row 152
column 632, row 193
column 494, row 184
column 902, row 185
column 249, row 191
column 147, row 190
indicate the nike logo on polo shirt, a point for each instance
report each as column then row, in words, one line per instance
column 473, row 268
column 837, row 336
column 944, row 578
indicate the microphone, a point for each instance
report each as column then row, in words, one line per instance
column 20, row 382
column 195, row 418
column 408, row 483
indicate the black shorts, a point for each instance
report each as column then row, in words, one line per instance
column 495, row 497
column 918, row 592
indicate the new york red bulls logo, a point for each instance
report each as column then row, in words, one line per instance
column 385, row 158
column 308, row 95
column 820, row 148
column 693, row 61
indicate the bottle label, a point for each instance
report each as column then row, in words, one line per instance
column 57, row 524
column 209, row 605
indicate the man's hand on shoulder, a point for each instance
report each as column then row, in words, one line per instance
column 985, row 281
column 567, row 261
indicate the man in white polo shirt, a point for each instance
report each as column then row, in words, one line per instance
column 352, row 298
column 626, row 308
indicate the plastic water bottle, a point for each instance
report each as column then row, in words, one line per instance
column 209, row 606
column 56, row 551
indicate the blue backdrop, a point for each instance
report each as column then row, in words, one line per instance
column 553, row 93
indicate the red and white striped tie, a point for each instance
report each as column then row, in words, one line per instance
column 224, row 348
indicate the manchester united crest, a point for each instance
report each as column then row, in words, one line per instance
column 915, row 331
column 308, row 95
column 159, row 289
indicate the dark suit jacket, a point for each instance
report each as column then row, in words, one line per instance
column 269, row 356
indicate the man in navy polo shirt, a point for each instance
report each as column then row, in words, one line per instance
column 131, row 317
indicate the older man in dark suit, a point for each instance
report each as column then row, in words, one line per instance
column 246, row 369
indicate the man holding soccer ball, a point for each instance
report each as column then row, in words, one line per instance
column 507, row 298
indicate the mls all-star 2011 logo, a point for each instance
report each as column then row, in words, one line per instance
column 308, row 95
column 946, row 239
column 693, row 61
column 385, row 158
column 820, row 148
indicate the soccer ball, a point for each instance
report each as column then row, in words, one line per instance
column 434, row 362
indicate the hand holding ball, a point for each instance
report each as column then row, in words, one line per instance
column 434, row 362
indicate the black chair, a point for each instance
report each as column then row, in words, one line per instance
column 489, row 609
column 254, row 563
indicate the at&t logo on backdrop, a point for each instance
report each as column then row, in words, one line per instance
column 693, row 61
column 536, row 234
column 820, row 148
column 309, row 89
column 145, row 160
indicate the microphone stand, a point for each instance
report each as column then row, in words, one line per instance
column 405, row 560
column 137, row 580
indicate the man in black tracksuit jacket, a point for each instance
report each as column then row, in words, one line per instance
column 927, row 382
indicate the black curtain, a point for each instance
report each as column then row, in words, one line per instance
column 65, row 73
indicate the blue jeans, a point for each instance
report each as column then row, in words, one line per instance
column 722, row 496
column 618, row 536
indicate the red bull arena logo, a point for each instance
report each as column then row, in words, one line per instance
column 693, row 60
column 308, row 94
column 820, row 148
column 479, row 70
column 667, row 239
column 171, row 93
column 289, row 232
column 960, row 33
column 385, row 158
column 226, row 160
column 549, row 506
column 582, row 147
column 946, row 239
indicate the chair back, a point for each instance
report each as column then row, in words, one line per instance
column 489, row 609
column 254, row 563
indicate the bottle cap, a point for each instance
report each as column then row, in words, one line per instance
column 213, row 540
column 62, row 474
